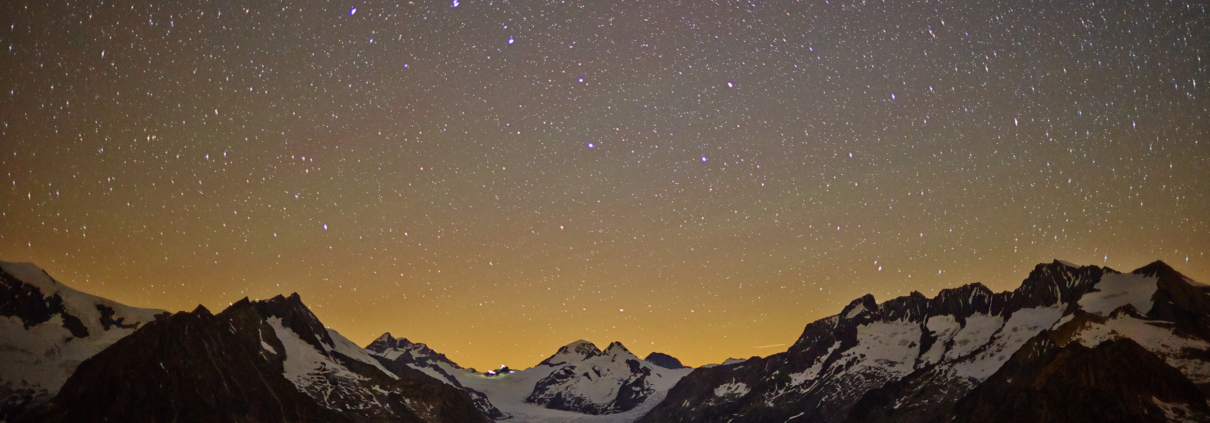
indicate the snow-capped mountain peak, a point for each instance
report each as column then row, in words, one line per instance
column 403, row 356
column 617, row 350
column 573, row 353
column 48, row 330
column 587, row 380
column 298, row 318
column 405, row 351
column 385, row 338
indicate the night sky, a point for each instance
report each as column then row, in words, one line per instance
column 500, row 178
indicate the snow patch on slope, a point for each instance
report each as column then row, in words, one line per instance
column 319, row 375
column 349, row 349
column 1116, row 290
column 812, row 372
column 889, row 346
column 1161, row 341
column 734, row 389
column 1177, row 412
column 943, row 328
column 265, row 345
column 978, row 331
column 1023, row 325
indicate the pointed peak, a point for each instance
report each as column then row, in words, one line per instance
column 388, row 342
column 911, row 307
column 201, row 310
column 731, row 361
column 580, row 344
column 616, row 347
column 297, row 317
column 969, row 290
column 1154, row 268
column 576, row 351
column 583, row 347
column 1066, row 263
column 859, row 306
column 243, row 302
column 862, row 300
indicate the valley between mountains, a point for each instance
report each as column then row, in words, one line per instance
column 1071, row 344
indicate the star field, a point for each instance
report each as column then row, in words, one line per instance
column 499, row 178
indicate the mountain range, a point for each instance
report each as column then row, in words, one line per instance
column 1072, row 343
column 1068, row 345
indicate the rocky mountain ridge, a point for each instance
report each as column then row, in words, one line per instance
column 270, row 360
column 587, row 380
column 914, row 358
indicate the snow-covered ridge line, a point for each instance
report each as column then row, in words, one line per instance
column 912, row 357
column 52, row 330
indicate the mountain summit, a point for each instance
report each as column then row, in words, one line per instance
column 587, row 380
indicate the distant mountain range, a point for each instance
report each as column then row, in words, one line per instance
column 1070, row 344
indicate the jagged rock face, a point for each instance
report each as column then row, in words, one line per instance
column 1179, row 299
column 408, row 352
column 664, row 360
column 588, row 380
column 1101, row 314
column 1116, row 381
column 405, row 357
column 296, row 317
column 266, row 361
column 48, row 329
column 911, row 359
